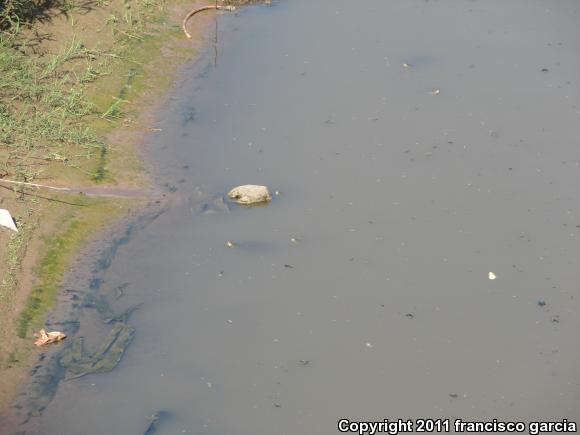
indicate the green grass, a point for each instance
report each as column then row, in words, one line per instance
column 43, row 109
column 46, row 105
column 13, row 12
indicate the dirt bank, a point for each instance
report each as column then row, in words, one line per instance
column 96, row 72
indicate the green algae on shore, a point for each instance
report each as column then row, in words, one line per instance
column 58, row 253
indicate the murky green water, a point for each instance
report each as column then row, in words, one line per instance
column 401, row 202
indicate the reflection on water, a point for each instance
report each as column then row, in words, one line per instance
column 362, row 291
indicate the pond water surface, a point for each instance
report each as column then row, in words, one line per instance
column 416, row 147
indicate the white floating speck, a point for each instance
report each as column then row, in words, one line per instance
column 230, row 244
column 435, row 92
column 492, row 276
column 369, row 345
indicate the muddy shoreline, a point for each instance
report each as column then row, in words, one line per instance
column 81, row 287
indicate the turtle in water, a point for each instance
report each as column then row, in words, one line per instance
column 250, row 194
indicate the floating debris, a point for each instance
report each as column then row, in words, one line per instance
column 409, row 315
column 435, row 92
column 203, row 8
column 288, row 266
column 369, row 345
column 303, row 362
column 7, row 221
column 250, row 194
column 44, row 338
column 294, row 240
column 406, row 65
column 492, row 276
column 154, row 420
column 541, row 303
column 230, row 244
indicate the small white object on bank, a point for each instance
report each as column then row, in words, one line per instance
column 250, row 194
column 6, row 220
column 492, row 276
